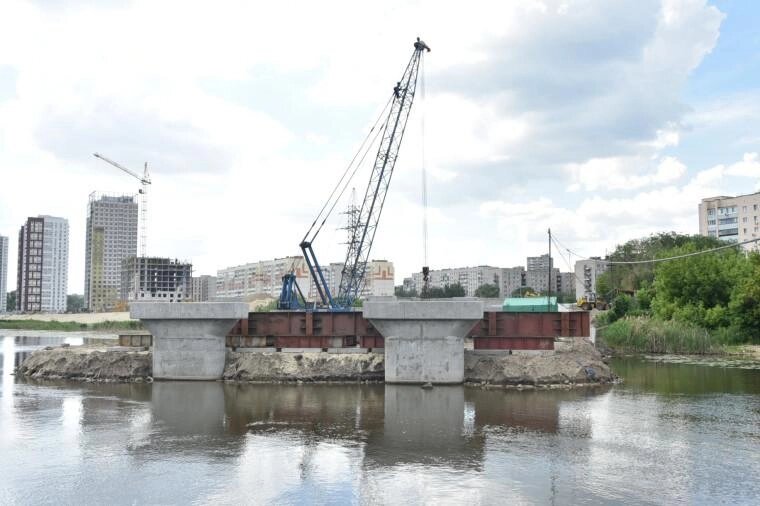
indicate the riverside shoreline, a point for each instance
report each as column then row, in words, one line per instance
column 576, row 364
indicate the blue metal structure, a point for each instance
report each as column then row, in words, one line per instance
column 363, row 231
column 289, row 295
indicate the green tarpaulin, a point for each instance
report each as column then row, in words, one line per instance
column 529, row 304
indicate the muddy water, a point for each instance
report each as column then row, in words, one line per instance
column 673, row 432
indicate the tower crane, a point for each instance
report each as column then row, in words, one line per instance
column 391, row 133
column 144, row 182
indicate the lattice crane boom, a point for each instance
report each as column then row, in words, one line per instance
column 354, row 270
column 364, row 227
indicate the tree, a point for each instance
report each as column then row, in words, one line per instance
column 630, row 277
column 400, row 292
column 698, row 289
column 455, row 290
column 487, row 291
column 11, row 301
column 745, row 300
column 74, row 303
column 447, row 292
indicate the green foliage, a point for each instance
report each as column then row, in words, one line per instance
column 630, row 277
column 698, row 289
column 649, row 335
column 745, row 300
column 644, row 296
column 447, row 292
column 715, row 294
column 269, row 306
column 400, row 292
column 487, row 291
column 621, row 305
column 69, row 326
column 74, row 303
column 11, row 301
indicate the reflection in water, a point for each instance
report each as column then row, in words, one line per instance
column 666, row 378
column 213, row 442
column 423, row 426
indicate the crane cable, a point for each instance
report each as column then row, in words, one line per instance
column 567, row 260
column 351, row 177
column 424, row 173
column 676, row 257
column 345, row 172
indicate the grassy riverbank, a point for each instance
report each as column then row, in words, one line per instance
column 652, row 335
column 69, row 326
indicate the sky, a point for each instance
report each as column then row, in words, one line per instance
column 604, row 121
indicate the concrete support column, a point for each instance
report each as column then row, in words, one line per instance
column 188, row 337
column 424, row 339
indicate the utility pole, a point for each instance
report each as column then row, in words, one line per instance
column 549, row 291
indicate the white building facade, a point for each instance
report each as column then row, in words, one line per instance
column 732, row 219
column 3, row 273
column 43, row 264
column 204, row 288
column 471, row 278
column 586, row 273
column 264, row 278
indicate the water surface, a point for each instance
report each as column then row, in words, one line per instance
column 672, row 433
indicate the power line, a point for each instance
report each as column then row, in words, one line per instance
column 676, row 257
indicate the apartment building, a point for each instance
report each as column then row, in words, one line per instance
column 512, row 280
column 111, row 237
column 43, row 263
column 540, row 263
column 204, row 288
column 732, row 219
column 260, row 279
column 471, row 278
column 586, row 273
column 265, row 278
column 3, row 273
column 509, row 280
column 155, row 279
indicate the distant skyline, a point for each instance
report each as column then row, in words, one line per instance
column 604, row 121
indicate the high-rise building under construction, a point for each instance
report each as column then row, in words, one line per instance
column 155, row 279
column 111, row 238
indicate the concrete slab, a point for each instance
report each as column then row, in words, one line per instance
column 189, row 338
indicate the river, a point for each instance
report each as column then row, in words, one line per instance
column 676, row 431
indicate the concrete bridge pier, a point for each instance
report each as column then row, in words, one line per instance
column 424, row 339
column 189, row 338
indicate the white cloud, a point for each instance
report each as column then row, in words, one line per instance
column 566, row 93
column 623, row 173
column 599, row 222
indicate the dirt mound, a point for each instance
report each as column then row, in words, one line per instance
column 88, row 364
column 573, row 363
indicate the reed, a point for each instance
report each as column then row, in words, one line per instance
column 650, row 335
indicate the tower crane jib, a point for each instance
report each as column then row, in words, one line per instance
column 144, row 183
